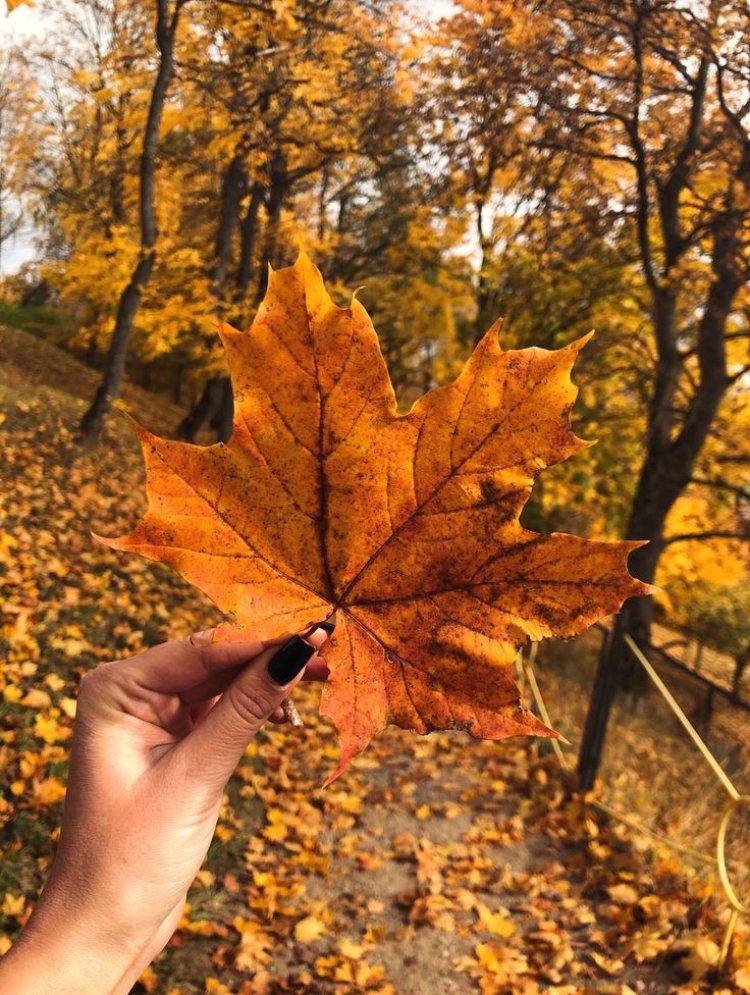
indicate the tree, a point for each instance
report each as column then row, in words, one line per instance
column 626, row 125
column 297, row 99
column 167, row 20
column 476, row 103
column 677, row 122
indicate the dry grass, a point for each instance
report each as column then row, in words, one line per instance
column 650, row 768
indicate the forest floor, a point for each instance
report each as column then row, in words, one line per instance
column 435, row 864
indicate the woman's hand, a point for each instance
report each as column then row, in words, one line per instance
column 156, row 739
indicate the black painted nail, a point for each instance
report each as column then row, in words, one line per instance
column 329, row 625
column 287, row 662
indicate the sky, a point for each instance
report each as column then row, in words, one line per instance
column 20, row 22
column 23, row 22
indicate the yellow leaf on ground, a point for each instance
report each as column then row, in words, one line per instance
column 309, row 928
column 703, row 955
column 255, row 945
column 623, row 894
column 13, row 905
column 47, row 727
column 505, row 962
column 48, row 792
column 499, row 923
column 36, row 698
column 610, row 965
column 216, row 987
column 69, row 705
column 350, row 949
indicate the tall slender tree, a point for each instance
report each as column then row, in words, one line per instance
column 660, row 90
column 630, row 121
column 167, row 20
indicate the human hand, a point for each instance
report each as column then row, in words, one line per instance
column 156, row 738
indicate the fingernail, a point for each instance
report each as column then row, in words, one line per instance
column 329, row 625
column 287, row 662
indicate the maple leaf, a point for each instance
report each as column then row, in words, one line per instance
column 407, row 525
column 10, row 5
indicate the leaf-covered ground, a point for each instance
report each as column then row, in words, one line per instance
column 435, row 864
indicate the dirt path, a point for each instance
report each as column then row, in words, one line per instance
column 440, row 864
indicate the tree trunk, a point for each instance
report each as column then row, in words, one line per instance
column 223, row 417
column 214, row 408
column 232, row 191
column 698, row 660
column 178, row 385
column 740, row 665
column 276, row 194
column 323, row 203
column 114, row 369
column 247, row 251
column 484, row 290
column 666, row 472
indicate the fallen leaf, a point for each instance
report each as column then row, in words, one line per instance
column 348, row 948
column 610, row 965
column 149, row 980
column 12, row 693
column 623, row 894
column 499, row 923
column 255, row 945
column 49, row 791
column 215, row 987
column 36, row 698
column 327, row 499
column 703, row 955
column 309, row 928
column 68, row 705
column 47, row 727
column 504, row 962
column 13, row 905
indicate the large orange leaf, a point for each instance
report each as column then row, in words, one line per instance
column 325, row 498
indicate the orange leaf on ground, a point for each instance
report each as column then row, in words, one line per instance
column 326, row 498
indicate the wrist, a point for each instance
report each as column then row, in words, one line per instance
column 64, row 950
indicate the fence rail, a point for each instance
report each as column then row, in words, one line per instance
column 712, row 686
column 736, row 800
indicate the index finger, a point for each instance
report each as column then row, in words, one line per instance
column 197, row 667
column 316, row 669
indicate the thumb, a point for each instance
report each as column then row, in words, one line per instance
column 214, row 748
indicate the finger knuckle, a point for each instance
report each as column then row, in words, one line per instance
column 252, row 704
column 93, row 680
